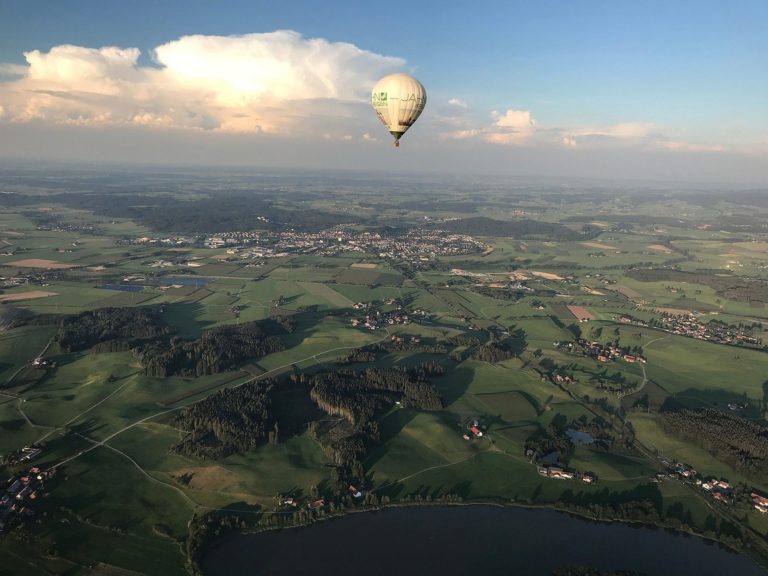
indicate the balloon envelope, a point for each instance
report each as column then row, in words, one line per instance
column 398, row 99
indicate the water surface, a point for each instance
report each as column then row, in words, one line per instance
column 440, row 541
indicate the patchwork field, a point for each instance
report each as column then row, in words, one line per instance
column 500, row 331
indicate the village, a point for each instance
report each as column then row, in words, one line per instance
column 375, row 318
column 712, row 331
column 602, row 352
column 19, row 491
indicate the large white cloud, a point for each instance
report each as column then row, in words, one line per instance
column 514, row 127
column 273, row 82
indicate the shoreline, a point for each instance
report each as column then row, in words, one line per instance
column 493, row 504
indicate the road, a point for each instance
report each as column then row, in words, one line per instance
column 99, row 443
column 43, row 351
column 642, row 367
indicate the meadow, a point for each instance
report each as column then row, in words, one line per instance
column 123, row 500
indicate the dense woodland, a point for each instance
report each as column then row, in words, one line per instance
column 357, row 397
column 522, row 229
column 735, row 440
column 170, row 213
column 239, row 419
column 144, row 331
column 216, row 350
column 229, row 421
column 509, row 294
column 83, row 331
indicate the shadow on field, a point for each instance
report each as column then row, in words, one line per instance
column 453, row 384
column 389, row 426
column 185, row 317
column 649, row 493
column 86, row 427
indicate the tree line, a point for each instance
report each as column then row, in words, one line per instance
column 736, row 441
column 216, row 350
column 85, row 330
column 227, row 422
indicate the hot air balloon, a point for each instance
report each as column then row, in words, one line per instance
column 398, row 99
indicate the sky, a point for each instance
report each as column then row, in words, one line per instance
column 595, row 88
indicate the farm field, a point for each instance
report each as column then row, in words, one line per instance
column 499, row 332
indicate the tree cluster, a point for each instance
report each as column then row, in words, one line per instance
column 735, row 440
column 229, row 421
column 357, row 397
column 102, row 325
column 523, row 229
column 216, row 350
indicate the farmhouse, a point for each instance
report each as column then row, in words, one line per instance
column 760, row 502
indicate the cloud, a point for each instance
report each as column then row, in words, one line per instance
column 458, row 103
column 272, row 82
column 519, row 128
column 690, row 147
column 12, row 70
column 642, row 135
column 514, row 127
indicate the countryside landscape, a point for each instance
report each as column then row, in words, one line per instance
column 185, row 356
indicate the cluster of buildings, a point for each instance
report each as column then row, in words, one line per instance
column 760, row 502
column 40, row 278
column 718, row 332
column 319, row 503
column 415, row 246
column 68, row 227
column 375, row 319
column 13, row 281
column 560, row 473
column 718, row 488
column 564, row 379
column 473, row 430
column 19, row 492
column 608, row 352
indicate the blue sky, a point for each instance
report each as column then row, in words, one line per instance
column 689, row 76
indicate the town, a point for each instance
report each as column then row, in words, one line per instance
column 415, row 246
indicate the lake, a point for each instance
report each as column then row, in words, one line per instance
column 439, row 541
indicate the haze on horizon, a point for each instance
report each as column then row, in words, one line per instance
column 595, row 89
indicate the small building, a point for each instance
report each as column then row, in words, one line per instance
column 355, row 492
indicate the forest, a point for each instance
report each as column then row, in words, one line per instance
column 500, row 350
column 499, row 293
column 238, row 419
column 229, row 421
column 358, row 397
column 209, row 214
column 737, row 441
column 216, row 350
column 83, row 331
column 523, row 229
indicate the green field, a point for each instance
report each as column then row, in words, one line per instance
column 122, row 499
